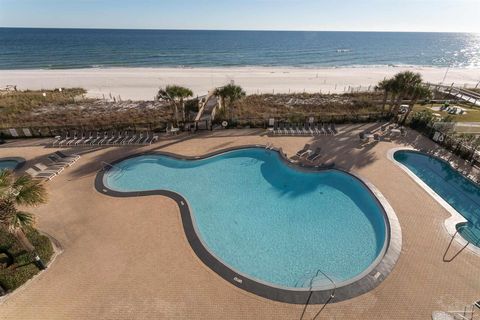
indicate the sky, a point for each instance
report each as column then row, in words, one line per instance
column 321, row 15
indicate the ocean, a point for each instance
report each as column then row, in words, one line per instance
column 27, row 48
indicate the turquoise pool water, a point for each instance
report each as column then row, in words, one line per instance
column 266, row 220
column 461, row 193
column 8, row 164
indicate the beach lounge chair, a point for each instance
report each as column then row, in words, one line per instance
column 326, row 129
column 133, row 138
column 90, row 137
column 333, row 129
column 279, row 129
column 138, row 137
column 59, row 138
column 143, row 137
column 300, row 153
column 120, row 137
column 272, row 124
column 74, row 138
column 314, row 155
column 104, row 138
column 56, row 168
column 298, row 130
column 35, row 174
column 59, row 161
column 67, row 156
column 96, row 138
column 65, row 140
column 292, row 130
column 275, row 128
column 304, row 130
column 286, row 131
column 309, row 129
column 320, row 129
column 127, row 138
column 148, row 138
column 84, row 138
column 114, row 136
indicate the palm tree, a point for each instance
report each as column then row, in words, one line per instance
column 176, row 95
column 232, row 93
column 387, row 86
column 418, row 92
column 22, row 191
column 404, row 82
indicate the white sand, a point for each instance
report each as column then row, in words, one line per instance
column 142, row 83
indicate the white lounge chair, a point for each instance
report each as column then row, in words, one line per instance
column 35, row 174
column 60, row 161
column 51, row 169
column 305, row 149
column 67, row 156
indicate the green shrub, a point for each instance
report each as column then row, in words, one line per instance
column 23, row 267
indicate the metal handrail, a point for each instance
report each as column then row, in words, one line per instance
column 111, row 165
column 332, row 294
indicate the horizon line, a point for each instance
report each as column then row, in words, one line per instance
column 237, row 30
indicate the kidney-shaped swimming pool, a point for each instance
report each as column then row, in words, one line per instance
column 268, row 221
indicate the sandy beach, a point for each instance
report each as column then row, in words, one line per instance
column 142, row 83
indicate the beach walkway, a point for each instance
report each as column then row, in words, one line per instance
column 458, row 93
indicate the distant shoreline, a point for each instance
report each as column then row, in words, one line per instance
column 239, row 67
column 142, row 83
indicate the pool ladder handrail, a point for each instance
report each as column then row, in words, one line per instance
column 332, row 294
column 106, row 164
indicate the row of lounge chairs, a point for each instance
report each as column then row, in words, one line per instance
column 90, row 138
column 58, row 162
column 307, row 129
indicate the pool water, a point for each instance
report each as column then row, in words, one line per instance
column 8, row 164
column 266, row 220
column 459, row 192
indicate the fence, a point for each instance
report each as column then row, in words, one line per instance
column 334, row 118
column 467, row 150
column 52, row 131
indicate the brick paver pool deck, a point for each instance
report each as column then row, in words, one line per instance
column 128, row 258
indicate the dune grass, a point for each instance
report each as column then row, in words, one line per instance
column 21, row 101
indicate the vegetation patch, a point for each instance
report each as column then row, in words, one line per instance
column 23, row 267
column 20, row 101
column 302, row 105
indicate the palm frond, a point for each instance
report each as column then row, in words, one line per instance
column 6, row 177
column 29, row 192
column 22, row 220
